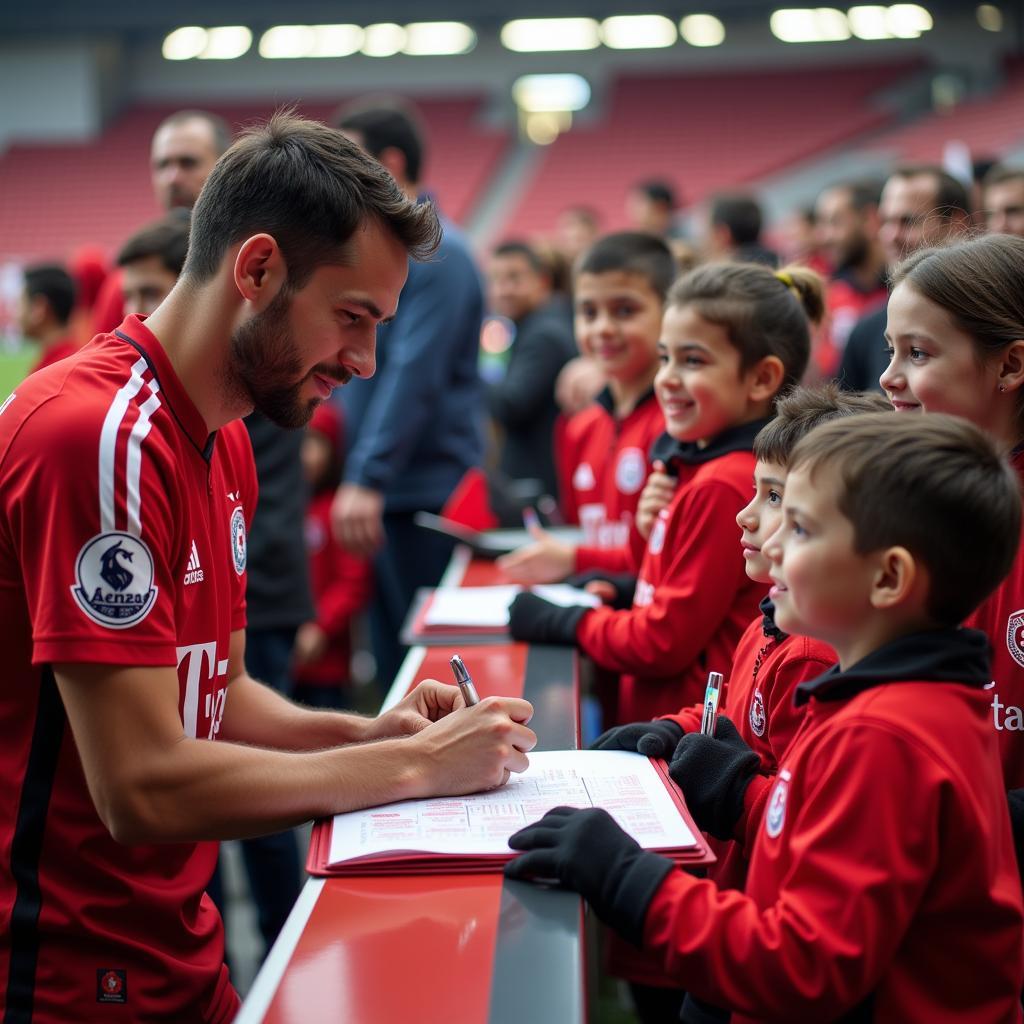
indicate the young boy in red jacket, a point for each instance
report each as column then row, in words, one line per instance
column 883, row 878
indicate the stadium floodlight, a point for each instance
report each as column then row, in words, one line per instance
column 384, row 39
column 284, row 42
column 537, row 35
column 809, row 25
column 990, row 18
column 543, row 94
column 702, row 30
column 438, row 38
column 638, row 32
column 184, row 43
column 543, row 127
column 869, row 22
column 336, row 40
column 226, row 42
column 907, row 21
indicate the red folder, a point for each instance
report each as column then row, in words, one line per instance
column 412, row 862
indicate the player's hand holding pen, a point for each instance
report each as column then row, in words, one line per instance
column 428, row 702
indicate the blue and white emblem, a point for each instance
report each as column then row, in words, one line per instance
column 238, row 542
column 757, row 716
column 776, row 816
column 630, row 471
column 114, row 576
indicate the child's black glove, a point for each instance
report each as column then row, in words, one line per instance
column 532, row 618
column 713, row 773
column 622, row 583
column 586, row 851
column 655, row 739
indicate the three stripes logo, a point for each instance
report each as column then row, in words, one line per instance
column 193, row 571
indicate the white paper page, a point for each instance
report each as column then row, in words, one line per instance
column 488, row 606
column 626, row 785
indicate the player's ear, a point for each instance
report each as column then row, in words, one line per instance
column 259, row 270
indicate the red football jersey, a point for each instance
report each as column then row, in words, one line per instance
column 122, row 542
column 1001, row 619
column 604, row 464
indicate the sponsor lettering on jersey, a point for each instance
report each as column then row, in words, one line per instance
column 644, row 594
column 238, row 541
column 114, row 574
column 757, row 715
column 775, row 816
column 630, row 471
column 193, row 571
column 201, row 664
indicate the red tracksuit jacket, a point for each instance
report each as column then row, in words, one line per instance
column 883, row 878
column 693, row 598
column 603, row 465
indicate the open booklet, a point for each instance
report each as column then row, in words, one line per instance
column 469, row 834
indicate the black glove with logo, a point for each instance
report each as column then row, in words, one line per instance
column 655, row 739
column 622, row 583
column 532, row 618
column 713, row 772
column 586, row 851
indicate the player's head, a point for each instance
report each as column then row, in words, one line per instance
column 47, row 299
column 877, row 513
column 619, row 290
column 797, row 413
column 734, row 220
column 846, row 222
column 651, row 205
column 185, row 147
column 1003, row 200
column 734, row 335
column 390, row 131
column 518, row 280
column 151, row 261
column 956, row 333
column 311, row 238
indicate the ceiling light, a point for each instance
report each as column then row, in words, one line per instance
column 543, row 128
column 551, row 93
column 809, row 25
column 869, row 22
column 287, row 41
column 702, row 30
column 990, row 17
column 185, row 43
column 535, row 35
column 438, row 38
column 384, row 39
column 907, row 21
column 638, row 32
column 226, row 42
column 336, row 40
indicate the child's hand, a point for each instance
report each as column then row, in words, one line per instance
column 546, row 560
column 310, row 643
column 657, row 494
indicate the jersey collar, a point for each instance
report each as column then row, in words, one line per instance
column 135, row 333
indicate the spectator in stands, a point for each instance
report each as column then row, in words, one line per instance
column 416, row 426
column 44, row 311
column 151, row 260
column 1003, row 200
column 522, row 403
column 921, row 206
column 185, row 147
column 576, row 230
column 734, row 230
column 651, row 206
column 847, row 229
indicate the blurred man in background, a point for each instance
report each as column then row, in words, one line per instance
column 151, row 261
column 44, row 311
column 1003, row 200
column 734, row 230
column 651, row 206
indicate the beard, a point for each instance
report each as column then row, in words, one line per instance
column 266, row 366
column 854, row 253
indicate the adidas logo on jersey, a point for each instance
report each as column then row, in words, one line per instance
column 193, row 571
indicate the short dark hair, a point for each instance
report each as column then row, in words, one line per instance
column 950, row 195
column 389, row 124
column 1001, row 173
column 658, row 191
column 738, row 212
column 631, row 252
column 800, row 410
column 219, row 128
column 863, row 194
column 765, row 312
column 308, row 187
column 514, row 247
column 166, row 238
column 55, row 285
column 925, row 483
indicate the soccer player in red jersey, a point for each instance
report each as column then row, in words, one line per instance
column 133, row 734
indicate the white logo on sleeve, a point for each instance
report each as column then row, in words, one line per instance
column 656, row 541
column 630, row 471
column 757, row 715
column 193, row 571
column 583, row 478
column 238, row 541
column 1015, row 636
column 115, row 580
column 775, row 817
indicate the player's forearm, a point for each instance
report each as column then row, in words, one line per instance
column 257, row 715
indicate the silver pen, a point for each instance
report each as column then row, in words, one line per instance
column 712, row 695
column 469, row 694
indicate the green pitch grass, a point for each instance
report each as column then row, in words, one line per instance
column 13, row 368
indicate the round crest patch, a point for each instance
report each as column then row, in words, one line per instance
column 114, row 576
column 656, row 541
column 1015, row 636
column 775, row 818
column 630, row 471
column 757, row 717
column 238, row 542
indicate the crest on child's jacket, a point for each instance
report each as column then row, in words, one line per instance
column 657, row 538
column 757, row 717
column 1015, row 636
column 239, row 546
column 775, row 818
column 630, row 471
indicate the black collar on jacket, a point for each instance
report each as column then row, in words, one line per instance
column 768, row 627
column 733, row 439
column 607, row 400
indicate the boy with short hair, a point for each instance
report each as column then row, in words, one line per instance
column 883, row 878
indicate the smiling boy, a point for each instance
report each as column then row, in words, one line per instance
column 883, row 878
